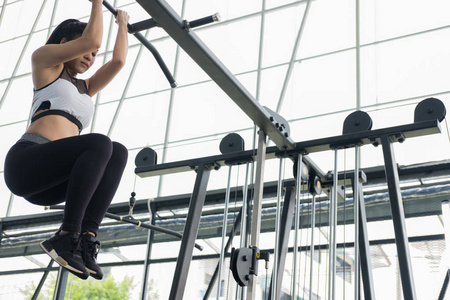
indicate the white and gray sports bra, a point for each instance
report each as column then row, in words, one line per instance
column 66, row 96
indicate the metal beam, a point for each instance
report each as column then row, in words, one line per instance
column 396, row 133
column 173, row 24
column 364, row 248
column 255, row 209
column 398, row 218
column 190, row 233
column 61, row 284
column 283, row 242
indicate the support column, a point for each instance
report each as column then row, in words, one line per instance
column 257, row 204
column 61, row 283
column 190, row 233
column 283, row 241
column 333, row 225
column 150, row 237
column 42, row 281
column 364, row 250
column 398, row 217
column 356, row 203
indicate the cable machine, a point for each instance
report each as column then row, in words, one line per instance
column 357, row 133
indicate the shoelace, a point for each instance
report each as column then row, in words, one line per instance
column 91, row 248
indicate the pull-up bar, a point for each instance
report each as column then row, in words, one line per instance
column 148, row 45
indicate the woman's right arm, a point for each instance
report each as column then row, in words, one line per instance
column 52, row 55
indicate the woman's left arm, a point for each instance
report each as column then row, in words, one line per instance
column 108, row 71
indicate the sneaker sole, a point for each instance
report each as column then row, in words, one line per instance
column 46, row 246
column 91, row 271
column 94, row 274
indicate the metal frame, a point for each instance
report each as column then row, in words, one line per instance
column 150, row 239
column 396, row 134
column 444, row 286
column 398, row 218
column 13, row 76
column 61, row 283
column 190, row 232
column 172, row 23
column 285, row 229
column 364, row 247
column 414, row 207
column 256, row 202
column 386, row 137
column 233, row 233
column 393, row 176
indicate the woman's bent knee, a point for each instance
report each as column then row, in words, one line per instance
column 99, row 142
column 120, row 153
column 99, row 139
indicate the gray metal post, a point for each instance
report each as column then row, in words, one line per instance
column 243, row 228
column 333, row 225
column 190, row 233
column 150, row 237
column 240, row 291
column 61, row 283
column 283, row 241
column 296, row 224
column 311, row 250
column 257, row 204
column 398, row 218
column 356, row 203
column 364, row 249
column 224, row 232
column 42, row 281
column 233, row 233
column 277, row 231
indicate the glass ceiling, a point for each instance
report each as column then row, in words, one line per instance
column 307, row 62
column 313, row 64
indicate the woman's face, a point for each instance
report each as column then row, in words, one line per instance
column 81, row 64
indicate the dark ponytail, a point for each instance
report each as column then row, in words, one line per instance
column 69, row 29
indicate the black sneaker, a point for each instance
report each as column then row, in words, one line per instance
column 65, row 250
column 90, row 247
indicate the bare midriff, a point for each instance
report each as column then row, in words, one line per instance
column 53, row 127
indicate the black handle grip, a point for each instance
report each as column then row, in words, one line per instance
column 204, row 21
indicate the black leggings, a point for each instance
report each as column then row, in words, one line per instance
column 84, row 171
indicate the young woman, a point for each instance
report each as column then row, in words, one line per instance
column 52, row 162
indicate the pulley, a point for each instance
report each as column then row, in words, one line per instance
column 304, row 171
column 243, row 263
column 356, row 122
column 232, row 142
column 146, row 157
column 429, row 109
column 315, row 185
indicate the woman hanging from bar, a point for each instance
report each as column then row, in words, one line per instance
column 52, row 163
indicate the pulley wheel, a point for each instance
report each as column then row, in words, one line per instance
column 429, row 109
column 146, row 157
column 232, row 142
column 357, row 121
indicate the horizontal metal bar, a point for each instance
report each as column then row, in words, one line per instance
column 397, row 134
column 433, row 237
column 418, row 202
